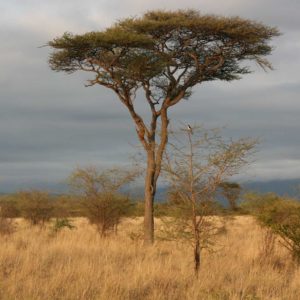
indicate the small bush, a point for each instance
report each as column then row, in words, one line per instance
column 280, row 215
column 102, row 203
column 7, row 226
column 66, row 206
column 255, row 204
column 7, row 212
column 105, row 210
column 8, row 209
column 61, row 223
column 284, row 219
column 36, row 207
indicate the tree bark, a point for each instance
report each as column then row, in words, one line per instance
column 154, row 161
column 155, row 152
column 197, row 257
column 150, row 189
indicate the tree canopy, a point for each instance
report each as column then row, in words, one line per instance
column 164, row 52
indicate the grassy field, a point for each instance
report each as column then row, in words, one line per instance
column 78, row 264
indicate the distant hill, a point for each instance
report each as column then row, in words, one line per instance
column 281, row 187
column 289, row 187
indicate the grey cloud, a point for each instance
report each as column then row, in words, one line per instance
column 49, row 122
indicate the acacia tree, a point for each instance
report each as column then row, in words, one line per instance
column 231, row 191
column 196, row 163
column 164, row 54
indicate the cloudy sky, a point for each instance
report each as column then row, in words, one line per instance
column 50, row 123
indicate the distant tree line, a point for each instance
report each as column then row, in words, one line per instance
column 279, row 216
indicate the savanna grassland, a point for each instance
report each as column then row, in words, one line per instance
column 36, row 263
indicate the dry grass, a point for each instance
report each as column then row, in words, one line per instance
column 78, row 264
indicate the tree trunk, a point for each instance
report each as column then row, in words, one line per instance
column 232, row 204
column 197, row 257
column 150, row 188
column 154, row 160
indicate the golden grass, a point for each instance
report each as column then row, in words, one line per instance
column 78, row 264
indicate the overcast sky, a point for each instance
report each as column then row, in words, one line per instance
column 50, row 123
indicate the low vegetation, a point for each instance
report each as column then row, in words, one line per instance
column 101, row 201
column 249, row 250
column 281, row 216
column 251, row 257
column 79, row 264
column 36, row 207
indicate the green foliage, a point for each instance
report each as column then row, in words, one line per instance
column 105, row 210
column 255, row 204
column 101, row 202
column 8, row 211
column 61, row 223
column 204, row 207
column 169, row 51
column 177, row 216
column 36, row 206
column 281, row 215
column 90, row 180
column 8, row 208
column 231, row 191
column 161, row 209
column 137, row 208
column 65, row 206
column 178, row 222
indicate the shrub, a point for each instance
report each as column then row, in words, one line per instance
column 280, row 215
column 283, row 217
column 105, row 210
column 8, row 209
column 36, row 206
column 66, row 205
column 255, row 204
column 61, row 223
column 100, row 191
column 7, row 226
